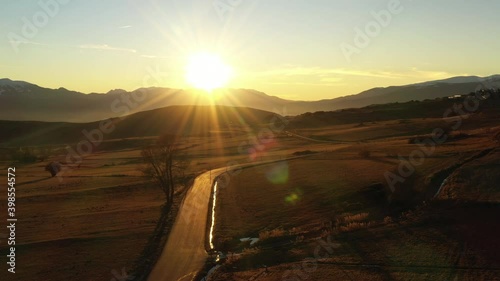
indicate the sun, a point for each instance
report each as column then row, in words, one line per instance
column 207, row 72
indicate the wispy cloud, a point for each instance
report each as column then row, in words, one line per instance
column 326, row 72
column 154, row 57
column 125, row 26
column 103, row 47
column 28, row 42
column 434, row 75
column 337, row 75
column 106, row 47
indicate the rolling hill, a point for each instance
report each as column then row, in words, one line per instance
column 176, row 120
column 205, row 120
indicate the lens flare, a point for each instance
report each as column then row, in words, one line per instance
column 278, row 174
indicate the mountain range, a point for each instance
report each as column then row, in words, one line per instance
column 24, row 101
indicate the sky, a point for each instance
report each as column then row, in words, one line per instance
column 294, row 49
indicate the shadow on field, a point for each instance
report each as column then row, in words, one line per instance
column 154, row 246
column 33, row 181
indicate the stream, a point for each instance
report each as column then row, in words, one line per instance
column 214, row 200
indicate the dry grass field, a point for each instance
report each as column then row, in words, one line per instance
column 92, row 224
column 97, row 221
column 332, row 214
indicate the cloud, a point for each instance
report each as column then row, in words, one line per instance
column 326, row 72
column 103, row 47
column 154, row 57
column 334, row 76
column 331, row 79
column 125, row 26
column 106, row 47
column 435, row 75
column 28, row 42
column 319, row 83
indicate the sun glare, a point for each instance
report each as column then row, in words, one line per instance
column 207, row 72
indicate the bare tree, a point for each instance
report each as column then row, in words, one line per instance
column 162, row 165
column 53, row 168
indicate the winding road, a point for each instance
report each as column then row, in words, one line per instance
column 184, row 253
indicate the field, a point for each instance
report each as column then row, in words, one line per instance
column 333, row 214
column 95, row 221
column 92, row 224
column 329, row 211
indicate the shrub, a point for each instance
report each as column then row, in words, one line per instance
column 388, row 220
column 353, row 218
column 53, row 168
column 278, row 232
column 250, row 251
column 355, row 226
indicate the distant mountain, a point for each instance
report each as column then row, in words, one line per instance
column 21, row 100
column 463, row 79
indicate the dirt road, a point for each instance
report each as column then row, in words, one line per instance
column 184, row 253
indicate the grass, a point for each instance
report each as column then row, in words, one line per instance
column 334, row 194
column 297, row 193
column 100, row 217
column 84, row 228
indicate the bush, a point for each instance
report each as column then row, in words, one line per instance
column 355, row 226
column 353, row 218
column 278, row 232
column 53, row 168
column 388, row 220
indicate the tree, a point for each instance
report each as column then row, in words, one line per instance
column 162, row 165
column 53, row 168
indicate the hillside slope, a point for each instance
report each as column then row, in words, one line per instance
column 177, row 120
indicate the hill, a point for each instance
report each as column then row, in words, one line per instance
column 436, row 108
column 177, row 120
column 205, row 120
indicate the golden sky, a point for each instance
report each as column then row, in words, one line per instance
column 301, row 50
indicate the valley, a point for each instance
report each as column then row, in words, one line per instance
column 336, row 190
